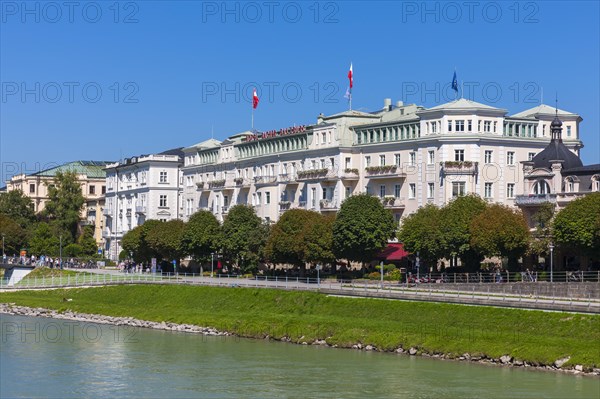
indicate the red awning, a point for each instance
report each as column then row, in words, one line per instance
column 393, row 252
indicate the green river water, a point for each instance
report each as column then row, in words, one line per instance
column 42, row 357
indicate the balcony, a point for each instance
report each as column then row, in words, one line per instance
column 459, row 167
column 107, row 212
column 241, row 182
column 328, row 205
column 140, row 209
column 384, row 172
column 314, row 174
column 265, row 180
column 284, row 206
column 535, row 199
column 392, row 202
column 287, row 178
column 216, row 183
column 350, row 174
column 200, row 185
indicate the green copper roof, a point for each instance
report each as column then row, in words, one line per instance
column 92, row 169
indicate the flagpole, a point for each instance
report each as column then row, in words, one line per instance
column 350, row 101
column 252, row 116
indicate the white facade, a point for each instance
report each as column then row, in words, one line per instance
column 139, row 189
column 406, row 155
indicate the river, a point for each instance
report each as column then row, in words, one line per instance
column 41, row 357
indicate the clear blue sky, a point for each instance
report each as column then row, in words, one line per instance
column 171, row 72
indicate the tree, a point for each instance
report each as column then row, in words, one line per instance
column 362, row 228
column 165, row 239
column 44, row 241
column 134, row 241
column 18, row 207
column 577, row 226
column 15, row 237
column 87, row 242
column 319, row 240
column 287, row 242
column 244, row 236
column 66, row 201
column 202, row 236
column 500, row 231
column 421, row 232
column 541, row 235
column 455, row 222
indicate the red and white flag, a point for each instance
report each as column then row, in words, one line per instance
column 254, row 99
column 350, row 76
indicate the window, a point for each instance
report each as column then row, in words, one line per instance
column 382, row 160
column 510, row 158
column 570, row 186
column 449, row 126
column 367, row 161
column 162, row 201
column 313, row 192
column 412, row 190
column 348, row 192
column 348, row 162
column 488, row 156
column 541, row 188
column 332, row 162
column 530, row 156
column 460, row 125
column 510, row 190
column 92, row 189
column 596, row 183
column 324, row 192
column 430, row 189
column 163, row 177
column 487, row 190
column 322, row 164
column 397, row 191
column 495, row 126
column 323, row 135
column 479, row 126
column 413, row 158
column 397, row 159
column 32, row 188
column 568, row 131
column 267, row 197
column 430, row 157
column 487, row 126
column 381, row 191
column 459, row 155
column 458, row 189
column 470, row 125
column 103, row 191
column 433, row 127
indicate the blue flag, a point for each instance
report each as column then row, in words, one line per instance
column 455, row 83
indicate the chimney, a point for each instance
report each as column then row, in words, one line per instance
column 387, row 104
column 399, row 104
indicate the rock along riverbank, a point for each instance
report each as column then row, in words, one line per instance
column 506, row 360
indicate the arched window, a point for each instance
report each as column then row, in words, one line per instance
column 569, row 184
column 541, row 187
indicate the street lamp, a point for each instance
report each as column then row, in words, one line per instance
column 551, row 246
column 60, row 252
column 212, row 263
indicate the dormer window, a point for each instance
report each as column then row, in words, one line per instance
column 541, row 188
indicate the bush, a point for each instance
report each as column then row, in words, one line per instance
column 72, row 250
column 394, row 275
column 374, row 276
column 123, row 255
column 543, row 276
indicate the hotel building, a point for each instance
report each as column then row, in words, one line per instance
column 407, row 155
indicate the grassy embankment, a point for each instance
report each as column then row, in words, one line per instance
column 533, row 336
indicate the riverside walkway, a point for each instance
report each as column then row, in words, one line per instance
column 389, row 290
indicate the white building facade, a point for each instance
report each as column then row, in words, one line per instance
column 406, row 155
column 139, row 189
